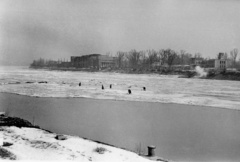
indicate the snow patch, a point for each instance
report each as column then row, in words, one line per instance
column 36, row 144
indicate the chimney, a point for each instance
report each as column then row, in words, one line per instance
column 220, row 55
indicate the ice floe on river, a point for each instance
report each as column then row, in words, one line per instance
column 159, row 88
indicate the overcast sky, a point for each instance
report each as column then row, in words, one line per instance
column 54, row 29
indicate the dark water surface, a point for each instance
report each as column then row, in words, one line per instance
column 180, row 132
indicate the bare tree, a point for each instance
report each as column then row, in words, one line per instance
column 144, row 59
column 38, row 63
column 225, row 55
column 133, row 58
column 152, row 56
column 120, row 59
column 182, row 54
column 163, row 56
column 108, row 53
column 187, row 58
column 198, row 55
column 233, row 55
column 182, row 58
column 170, row 56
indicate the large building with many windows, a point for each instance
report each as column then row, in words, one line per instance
column 95, row 61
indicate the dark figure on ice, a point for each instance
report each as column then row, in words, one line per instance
column 80, row 84
column 144, row 88
column 43, row 82
column 102, row 87
column 129, row 91
column 110, row 86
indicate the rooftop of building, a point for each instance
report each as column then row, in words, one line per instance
column 88, row 55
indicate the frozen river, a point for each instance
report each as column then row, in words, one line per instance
column 160, row 88
column 180, row 132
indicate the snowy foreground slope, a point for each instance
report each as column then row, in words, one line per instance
column 37, row 144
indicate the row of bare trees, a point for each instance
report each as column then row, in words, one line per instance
column 144, row 59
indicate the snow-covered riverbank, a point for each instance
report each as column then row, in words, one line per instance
column 36, row 144
column 28, row 143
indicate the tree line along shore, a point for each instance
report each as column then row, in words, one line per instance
column 165, row 62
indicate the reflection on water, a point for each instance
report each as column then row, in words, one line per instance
column 180, row 132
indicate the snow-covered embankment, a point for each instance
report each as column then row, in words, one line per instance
column 29, row 143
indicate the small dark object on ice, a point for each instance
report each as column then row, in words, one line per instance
column 6, row 144
column 144, row 88
column 29, row 82
column 129, row 91
column 15, row 83
column 43, row 82
column 102, row 87
column 110, row 86
column 80, row 84
column 60, row 137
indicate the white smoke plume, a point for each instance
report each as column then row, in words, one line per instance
column 200, row 71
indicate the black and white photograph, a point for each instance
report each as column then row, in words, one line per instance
column 120, row 80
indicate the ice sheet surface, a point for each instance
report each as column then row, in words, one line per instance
column 159, row 88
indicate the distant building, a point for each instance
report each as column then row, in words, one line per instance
column 196, row 61
column 95, row 61
column 64, row 64
column 221, row 63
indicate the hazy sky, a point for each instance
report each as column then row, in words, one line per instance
column 54, row 29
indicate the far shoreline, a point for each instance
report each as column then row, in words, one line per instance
column 211, row 75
